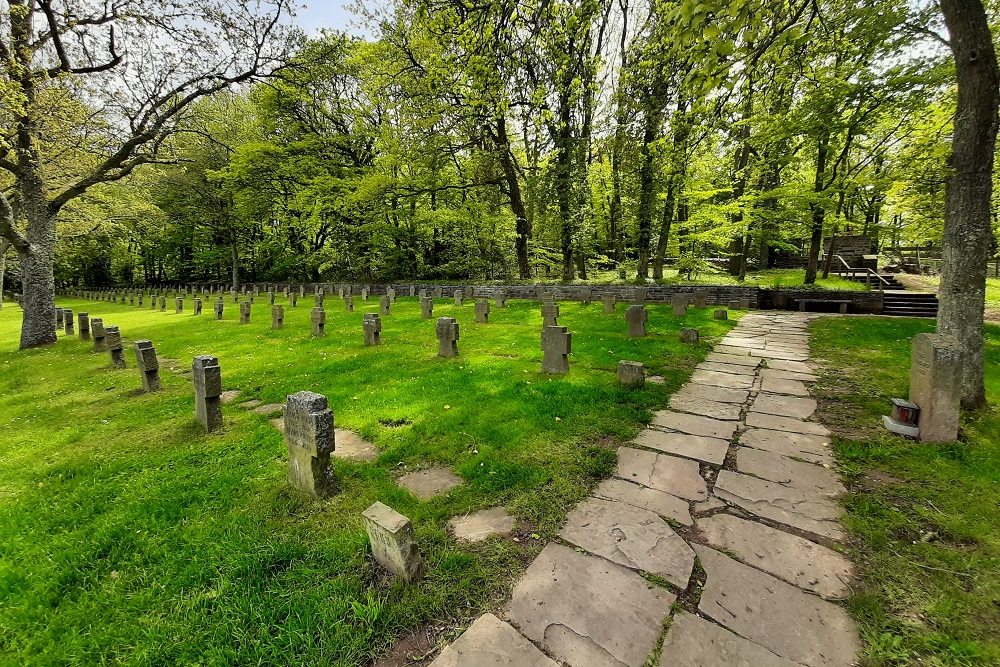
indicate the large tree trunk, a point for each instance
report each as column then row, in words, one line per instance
column 818, row 212
column 968, row 187
column 522, row 228
column 564, row 183
column 647, row 184
column 4, row 247
column 235, row 255
column 666, row 221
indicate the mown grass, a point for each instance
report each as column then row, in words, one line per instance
column 924, row 518
column 129, row 536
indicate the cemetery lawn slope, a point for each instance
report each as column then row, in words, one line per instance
column 129, row 536
column 924, row 518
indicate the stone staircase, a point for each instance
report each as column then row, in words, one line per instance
column 897, row 300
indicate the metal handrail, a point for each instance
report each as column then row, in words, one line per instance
column 882, row 282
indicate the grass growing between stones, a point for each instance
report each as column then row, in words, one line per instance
column 924, row 518
column 129, row 536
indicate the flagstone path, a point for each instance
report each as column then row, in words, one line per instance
column 734, row 477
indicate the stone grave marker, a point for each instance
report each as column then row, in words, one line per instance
column 364, row 293
column 413, row 290
column 100, row 337
column 639, row 296
column 207, row 380
column 586, row 294
column 550, row 314
column 178, row 305
column 83, row 324
column 679, row 302
column 459, row 297
column 482, row 311
column 294, row 299
column 424, row 294
column 245, row 310
column 721, row 314
column 318, row 318
column 384, row 303
column 197, row 306
column 218, row 307
column 114, row 342
column 557, row 343
column 609, row 301
column 349, row 303
column 447, row 335
column 140, row 300
column 636, row 317
column 393, row 542
column 391, row 294
column 318, row 301
column 936, row 385
column 270, row 297
column 163, row 304
column 426, row 307
column 148, row 364
column 700, row 298
column 372, row 324
column 309, row 436
column 59, row 318
column 689, row 335
column 68, row 322
column 277, row 317
column 501, row 299
column 438, row 292
column 631, row 373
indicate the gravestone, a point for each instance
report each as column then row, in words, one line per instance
column 178, row 305
column 245, row 310
column 423, row 294
column 679, row 302
column 218, row 307
column 140, row 299
column 689, row 335
column 393, row 542
column 636, row 317
column 721, row 314
column 349, row 303
column 745, row 303
column 556, row 344
column 501, row 299
column 197, row 306
column 294, row 298
column 83, row 324
column 550, row 314
column 373, row 329
column 364, row 293
column 207, row 380
column 270, row 297
column 148, row 364
column 163, row 304
column 113, row 339
column 631, row 374
column 59, row 318
column 413, row 290
column 447, row 335
column 426, row 307
column 438, row 292
column 609, row 301
column 100, row 337
column 383, row 304
column 318, row 301
column 68, row 322
column 639, row 296
column 309, row 436
column 131, row 300
column 734, row 304
column 318, row 318
column 277, row 317
column 700, row 298
column 302, row 290
column 936, row 385
column 459, row 297
column 391, row 294
column 482, row 311
column 285, row 291
column 586, row 294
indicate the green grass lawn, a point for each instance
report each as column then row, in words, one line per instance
column 129, row 536
column 924, row 518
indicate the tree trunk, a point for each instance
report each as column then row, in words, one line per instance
column 666, row 221
column 967, row 239
column 647, row 183
column 235, row 254
column 818, row 213
column 4, row 247
column 522, row 228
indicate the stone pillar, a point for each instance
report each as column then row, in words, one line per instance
column 631, row 374
column 294, row 299
column 277, row 316
column 207, row 380
column 459, row 297
column 721, row 314
column 700, row 298
column 936, row 385
column 349, row 303
column 270, row 297
column 364, row 293
column 197, row 306
column 179, row 305
column 391, row 293
column 59, row 318
column 679, row 302
column 302, row 290
column 438, row 292
column 372, row 324
column 556, row 344
column 501, row 299
column 413, row 290
column 586, row 294
column 394, row 545
column 636, row 317
column 424, row 294
column 114, row 342
column 218, row 307
column 309, row 436
column 550, row 314
column 148, row 364
column 245, row 312
column 163, row 304
column 83, row 322
column 689, row 335
column 383, row 304
column 639, row 296
column 68, row 322
column 426, row 307
column 100, row 339
column 482, row 311
column 447, row 335
column 318, row 302
column 609, row 301
column 318, row 318
column 140, row 300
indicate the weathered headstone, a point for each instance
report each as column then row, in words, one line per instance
column 679, row 302
column 197, row 306
column 83, row 322
column 631, row 373
column 501, row 298
column 394, row 544
column 318, row 318
column 372, row 324
column 270, row 297
column 557, row 342
column 318, row 301
column 586, row 294
column 364, row 293
column 424, row 294
column 413, row 290
column 163, row 304
column 636, row 317
column 207, row 380
column 391, row 294
column 426, row 307
column 447, row 335
column 100, row 337
column 459, row 297
column 294, row 299
column 218, row 307
column 140, row 300
column 700, row 298
column 609, row 301
column 482, row 311
column 689, row 335
column 179, row 305
column 59, row 318
column 148, row 364
column 639, row 296
column 349, row 303
column 383, row 304
column 113, row 339
column 68, row 322
column 438, row 292
column 245, row 312
column 721, row 314
column 745, row 303
column 277, row 317
column 734, row 304
column 309, row 436
column 550, row 314
column 936, row 385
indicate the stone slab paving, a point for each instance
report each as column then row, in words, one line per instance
column 479, row 526
column 738, row 451
column 427, row 484
column 489, row 642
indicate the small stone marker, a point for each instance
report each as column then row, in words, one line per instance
column 373, row 329
column 459, row 297
column 482, row 311
column 207, row 379
column 140, row 299
column 394, row 545
column 501, row 299
column 277, row 317
column 100, row 337
column 679, row 302
column 197, row 306
column 689, row 335
column 83, row 322
column 218, row 307
column 59, row 318
column 721, row 314
column 318, row 318
column 114, row 343
column 245, row 307
column 447, row 335
column 586, row 294
column 319, row 297
column 700, row 298
column 426, row 307
column 293, row 298
column 391, row 294
column 364, row 293
column 68, row 322
column 438, row 292
column 270, row 297
column 936, row 385
column 639, row 296
column 309, row 436
column 349, row 303
column 413, row 290
column 557, row 342
column 734, row 304
column 153, row 299
column 424, row 294
column 631, row 373
column 636, row 317
column 163, row 304
column 609, row 301
column 178, row 305
column 550, row 314
column 383, row 304
column 148, row 364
